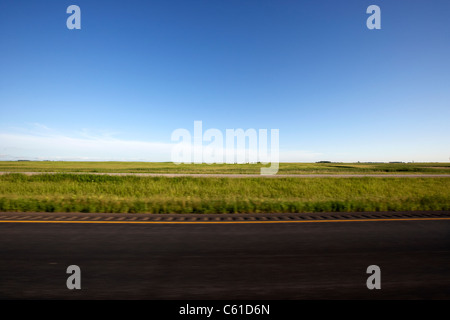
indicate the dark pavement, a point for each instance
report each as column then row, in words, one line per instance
column 226, row 261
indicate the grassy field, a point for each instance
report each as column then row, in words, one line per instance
column 94, row 193
column 168, row 167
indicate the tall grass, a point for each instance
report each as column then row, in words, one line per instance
column 94, row 193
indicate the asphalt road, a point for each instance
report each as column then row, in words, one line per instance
column 226, row 261
column 232, row 175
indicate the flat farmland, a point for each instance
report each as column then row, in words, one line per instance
column 169, row 167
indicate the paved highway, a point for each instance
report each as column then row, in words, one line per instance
column 226, row 261
column 230, row 175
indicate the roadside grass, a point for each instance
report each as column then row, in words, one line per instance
column 169, row 167
column 132, row 194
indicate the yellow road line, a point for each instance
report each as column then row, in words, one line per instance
column 221, row 222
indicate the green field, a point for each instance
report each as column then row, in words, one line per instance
column 133, row 194
column 168, row 167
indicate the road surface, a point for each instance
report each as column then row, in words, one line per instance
column 230, row 175
column 226, row 261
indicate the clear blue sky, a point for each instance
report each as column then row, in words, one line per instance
column 138, row 70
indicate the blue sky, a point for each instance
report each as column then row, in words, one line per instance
column 138, row 70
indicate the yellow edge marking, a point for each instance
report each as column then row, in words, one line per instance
column 221, row 222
